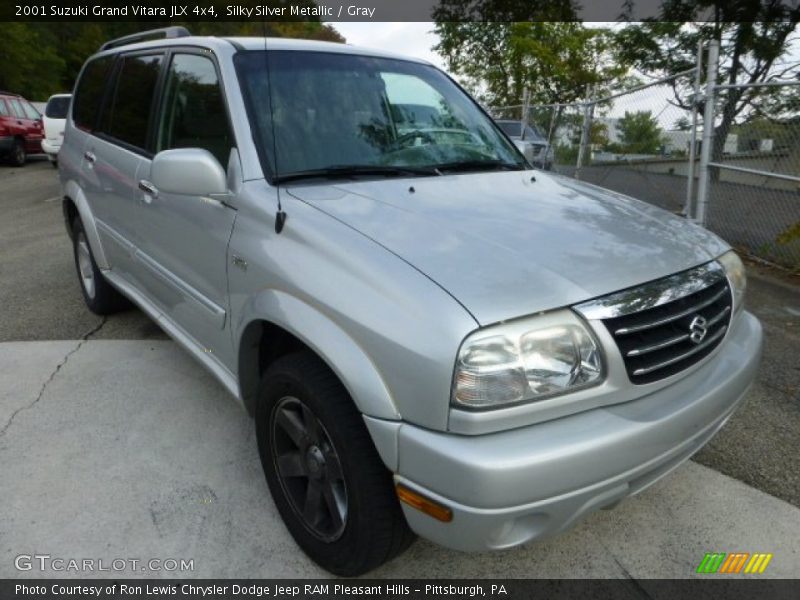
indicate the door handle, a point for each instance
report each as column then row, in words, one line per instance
column 148, row 188
column 89, row 156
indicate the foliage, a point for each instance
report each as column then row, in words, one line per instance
column 753, row 37
column 566, row 154
column 40, row 59
column 639, row 133
column 505, row 11
column 792, row 233
column 559, row 62
column 682, row 124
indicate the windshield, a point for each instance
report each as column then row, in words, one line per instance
column 331, row 111
column 57, row 107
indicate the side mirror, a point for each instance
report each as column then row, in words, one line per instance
column 188, row 171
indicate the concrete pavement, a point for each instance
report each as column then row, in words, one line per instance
column 128, row 449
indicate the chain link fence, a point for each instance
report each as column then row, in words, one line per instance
column 754, row 191
column 647, row 143
column 636, row 143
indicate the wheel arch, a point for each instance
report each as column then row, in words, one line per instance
column 74, row 204
column 280, row 323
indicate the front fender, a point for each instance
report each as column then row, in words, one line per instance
column 73, row 191
column 330, row 342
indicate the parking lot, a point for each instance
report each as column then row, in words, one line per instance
column 114, row 443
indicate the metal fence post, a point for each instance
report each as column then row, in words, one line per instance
column 687, row 208
column 588, row 109
column 526, row 95
column 708, row 132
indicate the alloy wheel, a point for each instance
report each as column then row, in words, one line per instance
column 85, row 265
column 309, row 469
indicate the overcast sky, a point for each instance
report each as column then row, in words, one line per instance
column 411, row 39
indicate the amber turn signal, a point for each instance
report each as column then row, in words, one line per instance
column 426, row 505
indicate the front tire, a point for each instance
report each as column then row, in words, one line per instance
column 331, row 488
column 100, row 297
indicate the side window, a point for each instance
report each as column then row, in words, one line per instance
column 16, row 108
column 193, row 113
column 126, row 116
column 89, row 93
column 30, row 112
column 3, row 108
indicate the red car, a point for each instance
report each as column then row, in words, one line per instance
column 21, row 129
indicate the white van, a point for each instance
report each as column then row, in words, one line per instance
column 55, row 117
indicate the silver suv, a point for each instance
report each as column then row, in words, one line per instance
column 431, row 336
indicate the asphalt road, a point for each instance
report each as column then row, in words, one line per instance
column 41, row 300
column 38, row 285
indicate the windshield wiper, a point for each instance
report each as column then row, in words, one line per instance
column 348, row 171
column 479, row 165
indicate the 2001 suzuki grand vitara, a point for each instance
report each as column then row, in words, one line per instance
column 431, row 336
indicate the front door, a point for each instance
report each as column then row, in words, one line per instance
column 184, row 239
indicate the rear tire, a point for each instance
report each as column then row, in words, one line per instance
column 331, row 488
column 18, row 155
column 100, row 297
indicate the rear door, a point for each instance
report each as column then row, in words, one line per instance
column 7, row 121
column 28, row 124
column 35, row 127
column 114, row 154
column 18, row 123
column 184, row 239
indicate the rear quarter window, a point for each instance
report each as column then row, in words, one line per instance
column 16, row 108
column 57, row 108
column 3, row 109
column 30, row 111
column 89, row 93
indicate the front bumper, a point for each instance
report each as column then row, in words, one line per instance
column 511, row 487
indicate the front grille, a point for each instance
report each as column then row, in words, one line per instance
column 661, row 341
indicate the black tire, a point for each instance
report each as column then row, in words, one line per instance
column 100, row 297
column 18, row 155
column 54, row 163
column 300, row 388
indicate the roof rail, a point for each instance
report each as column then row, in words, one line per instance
column 165, row 32
column 5, row 93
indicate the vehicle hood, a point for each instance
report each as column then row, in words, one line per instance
column 509, row 244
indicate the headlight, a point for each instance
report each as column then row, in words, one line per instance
column 525, row 360
column 734, row 269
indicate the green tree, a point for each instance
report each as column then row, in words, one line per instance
column 558, row 62
column 40, row 59
column 31, row 63
column 639, row 133
column 753, row 38
column 682, row 124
